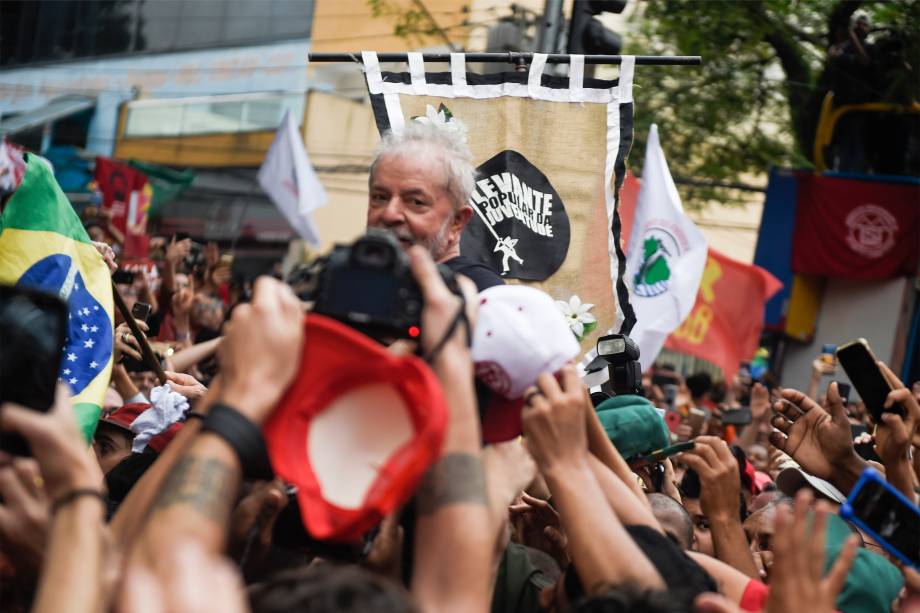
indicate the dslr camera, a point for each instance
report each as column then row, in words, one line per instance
column 367, row 285
column 622, row 356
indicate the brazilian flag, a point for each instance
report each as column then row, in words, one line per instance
column 44, row 246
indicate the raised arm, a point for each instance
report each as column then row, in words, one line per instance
column 554, row 425
column 720, row 500
column 71, row 575
column 454, row 535
column 258, row 360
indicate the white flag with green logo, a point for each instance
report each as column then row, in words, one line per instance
column 667, row 254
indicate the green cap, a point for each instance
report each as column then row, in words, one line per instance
column 873, row 582
column 633, row 425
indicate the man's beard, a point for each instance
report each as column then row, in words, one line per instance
column 436, row 245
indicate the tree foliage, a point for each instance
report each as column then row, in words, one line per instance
column 755, row 101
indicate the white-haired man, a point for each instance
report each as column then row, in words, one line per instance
column 419, row 188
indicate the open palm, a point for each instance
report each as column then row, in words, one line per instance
column 819, row 441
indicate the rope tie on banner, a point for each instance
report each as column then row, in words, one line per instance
column 536, row 75
column 417, row 74
column 577, row 78
column 458, row 74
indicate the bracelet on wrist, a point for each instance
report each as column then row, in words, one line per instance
column 243, row 436
column 68, row 497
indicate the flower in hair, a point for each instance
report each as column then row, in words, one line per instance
column 444, row 119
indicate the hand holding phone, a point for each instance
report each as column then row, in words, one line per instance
column 33, row 330
column 887, row 515
column 862, row 368
column 141, row 311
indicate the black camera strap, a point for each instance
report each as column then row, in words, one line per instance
column 451, row 329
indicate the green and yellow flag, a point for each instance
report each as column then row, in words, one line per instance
column 44, row 246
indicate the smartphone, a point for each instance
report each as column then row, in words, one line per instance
column 886, row 515
column 737, row 417
column 860, row 365
column 670, row 394
column 33, row 330
column 844, row 390
column 140, row 311
column 827, row 354
column 123, row 277
column 697, row 418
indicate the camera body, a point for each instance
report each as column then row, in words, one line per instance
column 367, row 285
column 622, row 356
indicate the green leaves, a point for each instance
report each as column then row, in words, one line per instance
column 754, row 102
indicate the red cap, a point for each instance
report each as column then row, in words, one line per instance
column 125, row 415
column 356, row 430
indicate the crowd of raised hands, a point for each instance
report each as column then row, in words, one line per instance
column 555, row 520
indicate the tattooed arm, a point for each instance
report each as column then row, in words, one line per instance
column 259, row 358
column 454, row 539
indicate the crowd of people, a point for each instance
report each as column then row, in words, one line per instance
column 599, row 505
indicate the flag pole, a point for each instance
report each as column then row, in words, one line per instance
column 149, row 357
column 513, row 57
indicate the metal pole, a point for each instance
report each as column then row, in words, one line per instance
column 550, row 26
column 514, row 57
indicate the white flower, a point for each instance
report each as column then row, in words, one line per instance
column 439, row 118
column 576, row 314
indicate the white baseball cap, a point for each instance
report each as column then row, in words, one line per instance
column 520, row 334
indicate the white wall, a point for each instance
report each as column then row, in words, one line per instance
column 850, row 310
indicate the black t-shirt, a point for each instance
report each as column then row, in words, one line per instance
column 480, row 274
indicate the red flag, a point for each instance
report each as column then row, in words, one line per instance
column 856, row 229
column 725, row 324
column 127, row 194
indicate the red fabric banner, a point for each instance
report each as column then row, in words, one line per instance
column 725, row 324
column 856, row 229
column 127, row 194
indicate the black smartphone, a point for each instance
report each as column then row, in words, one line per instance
column 33, row 330
column 860, row 365
column 737, row 417
column 123, row 277
column 887, row 515
column 844, row 390
column 140, row 311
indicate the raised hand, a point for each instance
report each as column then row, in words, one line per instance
column 261, row 351
column 796, row 581
column 125, row 343
column 24, row 515
column 893, row 436
column 187, row 385
column 178, row 250
column 819, row 441
column 536, row 524
column 717, row 468
column 554, row 420
column 65, row 461
column 760, row 403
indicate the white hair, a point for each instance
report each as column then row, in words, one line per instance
column 449, row 144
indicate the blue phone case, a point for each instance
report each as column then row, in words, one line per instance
column 849, row 513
